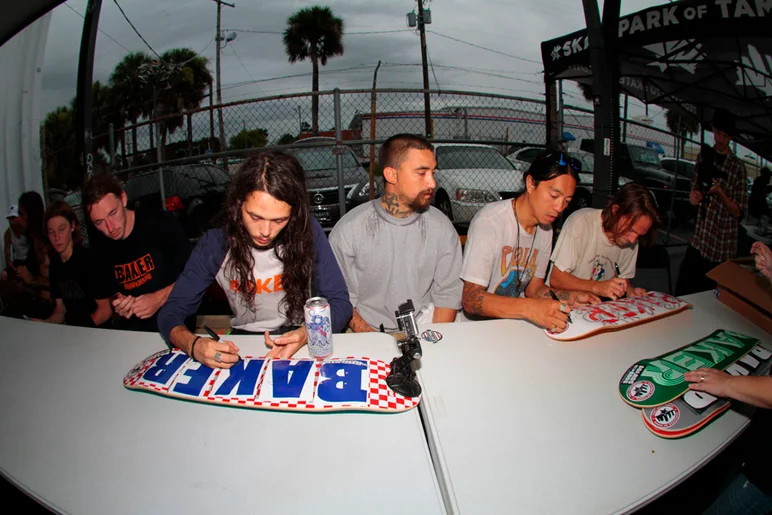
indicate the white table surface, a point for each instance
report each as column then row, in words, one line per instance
column 521, row 423
column 75, row 439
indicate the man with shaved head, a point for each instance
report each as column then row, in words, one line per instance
column 399, row 247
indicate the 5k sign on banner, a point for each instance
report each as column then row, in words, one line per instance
column 303, row 384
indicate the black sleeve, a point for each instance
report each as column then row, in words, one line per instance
column 176, row 245
column 54, row 274
column 103, row 270
column 98, row 286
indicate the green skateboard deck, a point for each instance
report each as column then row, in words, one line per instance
column 694, row 410
column 653, row 382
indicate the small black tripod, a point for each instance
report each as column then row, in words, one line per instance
column 402, row 378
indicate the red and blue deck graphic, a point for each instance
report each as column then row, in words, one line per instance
column 302, row 384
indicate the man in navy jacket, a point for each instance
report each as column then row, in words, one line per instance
column 269, row 255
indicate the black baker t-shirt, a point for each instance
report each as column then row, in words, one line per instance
column 149, row 259
column 77, row 283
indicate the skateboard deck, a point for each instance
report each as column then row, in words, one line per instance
column 619, row 314
column 301, row 384
column 653, row 382
column 694, row 410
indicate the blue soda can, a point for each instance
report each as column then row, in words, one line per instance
column 318, row 327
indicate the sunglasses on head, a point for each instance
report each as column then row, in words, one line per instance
column 560, row 159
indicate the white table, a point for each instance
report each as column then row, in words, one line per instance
column 520, row 423
column 74, row 439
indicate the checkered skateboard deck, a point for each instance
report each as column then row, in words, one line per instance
column 619, row 314
column 302, row 384
column 669, row 408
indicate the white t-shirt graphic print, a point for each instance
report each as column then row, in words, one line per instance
column 492, row 257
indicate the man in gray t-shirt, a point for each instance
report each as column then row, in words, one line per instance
column 399, row 247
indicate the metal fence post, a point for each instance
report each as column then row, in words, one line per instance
column 338, row 154
column 158, row 151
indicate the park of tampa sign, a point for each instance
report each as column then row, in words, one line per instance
column 692, row 56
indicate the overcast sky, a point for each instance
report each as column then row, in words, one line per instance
column 514, row 27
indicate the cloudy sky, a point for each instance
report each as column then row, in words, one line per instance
column 255, row 63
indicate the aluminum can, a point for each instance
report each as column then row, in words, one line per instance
column 318, row 327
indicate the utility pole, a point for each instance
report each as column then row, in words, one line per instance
column 218, row 38
column 372, row 133
column 83, row 99
column 423, row 18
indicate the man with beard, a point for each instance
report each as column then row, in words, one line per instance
column 597, row 249
column 399, row 247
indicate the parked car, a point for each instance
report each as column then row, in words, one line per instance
column 523, row 157
column 642, row 165
column 584, row 188
column 194, row 193
column 321, row 167
column 470, row 176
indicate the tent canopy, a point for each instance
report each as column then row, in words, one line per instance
column 691, row 56
column 17, row 15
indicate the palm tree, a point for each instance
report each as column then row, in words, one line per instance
column 314, row 33
column 682, row 125
column 181, row 82
column 59, row 147
column 586, row 90
column 130, row 89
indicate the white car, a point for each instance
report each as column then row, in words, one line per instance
column 470, row 176
column 523, row 157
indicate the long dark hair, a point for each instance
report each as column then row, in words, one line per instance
column 63, row 209
column 32, row 203
column 281, row 176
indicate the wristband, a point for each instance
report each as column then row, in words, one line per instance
column 193, row 346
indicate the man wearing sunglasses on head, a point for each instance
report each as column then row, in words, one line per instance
column 508, row 248
column 597, row 249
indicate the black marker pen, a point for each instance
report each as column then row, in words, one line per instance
column 216, row 338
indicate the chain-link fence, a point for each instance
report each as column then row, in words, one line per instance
column 484, row 143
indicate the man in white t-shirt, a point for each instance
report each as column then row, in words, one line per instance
column 508, row 247
column 597, row 249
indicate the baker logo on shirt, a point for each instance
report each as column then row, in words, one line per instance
column 136, row 273
column 264, row 285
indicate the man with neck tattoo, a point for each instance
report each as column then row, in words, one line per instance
column 508, row 249
column 399, row 247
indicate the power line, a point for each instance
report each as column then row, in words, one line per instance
column 135, row 30
column 257, row 31
column 325, row 72
column 432, row 67
column 100, row 30
column 484, row 48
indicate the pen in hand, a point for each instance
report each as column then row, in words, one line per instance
column 555, row 297
column 213, row 335
column 616, row 269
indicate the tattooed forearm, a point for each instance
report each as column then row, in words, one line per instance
column 391, row 203
column 358, row 324
column 472, row 298
column 544, row 293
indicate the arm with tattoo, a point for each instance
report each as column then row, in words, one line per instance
column 477, row 301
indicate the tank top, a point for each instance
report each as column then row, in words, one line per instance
column 21, row 246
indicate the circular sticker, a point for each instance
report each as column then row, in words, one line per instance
column 665, row 415
column 640, row 391
column 430, row 335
